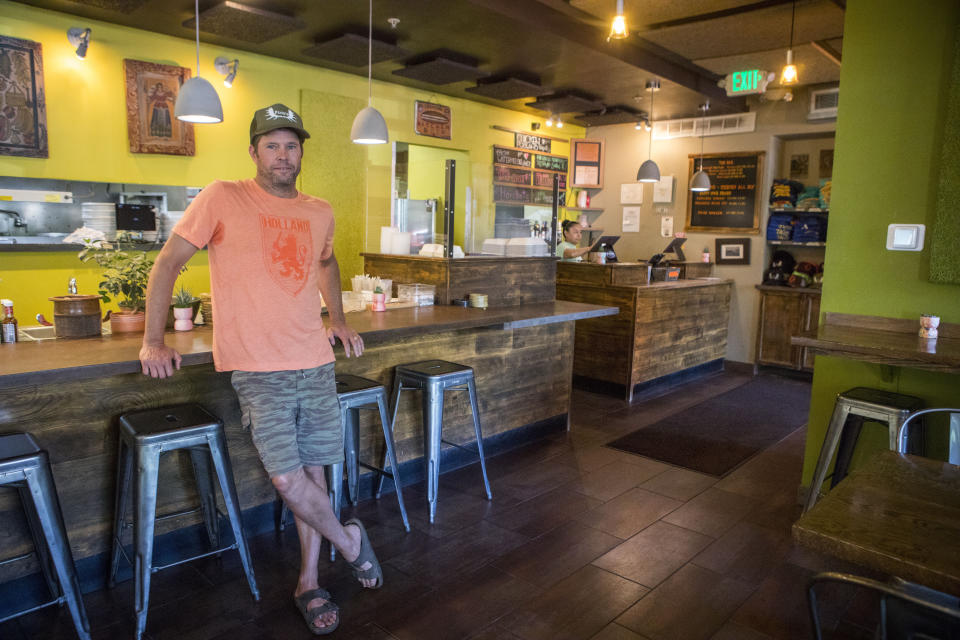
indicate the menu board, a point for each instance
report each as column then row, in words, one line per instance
column 517, row 182
column 515, row 157
column 550, row 163
column 511, row 175
column 524, row 195
column 732, row 205
column 545, row 179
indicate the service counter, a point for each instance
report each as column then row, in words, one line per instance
column 664, row 330
column 69, row 393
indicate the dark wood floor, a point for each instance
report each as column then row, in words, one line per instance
column 580, row 542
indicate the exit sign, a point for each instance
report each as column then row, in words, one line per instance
column 742, row 83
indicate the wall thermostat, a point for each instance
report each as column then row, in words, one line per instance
column 905, row 237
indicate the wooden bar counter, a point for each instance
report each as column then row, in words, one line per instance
column 663, row 329
column 69, row 393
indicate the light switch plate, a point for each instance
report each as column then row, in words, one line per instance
column 905, row 237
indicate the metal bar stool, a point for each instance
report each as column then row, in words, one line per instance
column 26, row 467
column 355, row 393
column 434, row 378
column 144, row 436
column 853, row 406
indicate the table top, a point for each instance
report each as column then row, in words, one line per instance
column 898, row 514
column 887, row 341
column 61, row 360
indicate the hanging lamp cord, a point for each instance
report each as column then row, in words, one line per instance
column 369, row 57
column 196, row 14
column 703, row 129
column 650, row 143
column 793, row 16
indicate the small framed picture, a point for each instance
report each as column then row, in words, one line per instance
column 733, row 250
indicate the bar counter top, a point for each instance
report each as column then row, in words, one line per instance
column 60, row 360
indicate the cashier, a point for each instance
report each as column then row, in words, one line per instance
column 567, row 250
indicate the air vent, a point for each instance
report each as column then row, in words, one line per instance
column 712, row 126
column 509, row 89
column 824, row 103
column 247, row 24
column 441, row 70
column 351, row 49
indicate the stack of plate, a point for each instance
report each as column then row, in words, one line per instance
column 167, row 221
column 206, row 306
column 494, row 246
column 101, row 216
column 527, row 247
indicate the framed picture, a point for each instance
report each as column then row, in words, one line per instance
column 152, row 91
column 586, row 154
column 23, row 109
column 432, row 120
column 733, row 250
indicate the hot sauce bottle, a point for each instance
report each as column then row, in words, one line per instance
column 8, row 324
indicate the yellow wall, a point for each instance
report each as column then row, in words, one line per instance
column 86, row 120
column 427, row 171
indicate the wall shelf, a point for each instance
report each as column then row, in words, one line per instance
column 791, row 243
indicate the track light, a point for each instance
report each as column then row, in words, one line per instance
column 618, row 29
column 79, row 38
column 559, row 123
column 549, row 121
column 227, row 68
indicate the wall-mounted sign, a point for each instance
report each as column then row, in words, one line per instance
column 531, row 142
column 732, row 205
column 587, row 156
column 747, row 82
column 515, row 157
column 432, row 120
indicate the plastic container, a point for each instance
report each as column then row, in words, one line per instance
column 421, row 294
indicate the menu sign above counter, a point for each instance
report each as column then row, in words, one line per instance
column 515, row 157
column 531, row 142
column 732, row 204
column 517, row 182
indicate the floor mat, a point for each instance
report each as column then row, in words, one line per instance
column 719, row 434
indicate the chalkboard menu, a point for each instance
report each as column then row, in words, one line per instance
column 517, row 182
column 550, row 163
column 545, row 179
column 511, row 175
column 531, row 142
column 524, row 195
column 732, row 205
column 515, row 157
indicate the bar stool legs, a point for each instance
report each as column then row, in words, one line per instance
column 27, row 467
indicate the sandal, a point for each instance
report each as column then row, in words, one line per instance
column 311, row 615
column 366, row 555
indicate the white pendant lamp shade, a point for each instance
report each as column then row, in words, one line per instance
column 649, row 172
column 700, row 182
column 198, row 102
column 369, row 127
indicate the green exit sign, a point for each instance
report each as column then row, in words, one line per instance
column 741, row 83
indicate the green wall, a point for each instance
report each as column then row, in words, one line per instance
column 894, row 86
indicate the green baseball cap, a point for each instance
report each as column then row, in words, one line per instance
column 276, row 116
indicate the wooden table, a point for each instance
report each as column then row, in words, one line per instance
column 884, row 341
column 898, row 514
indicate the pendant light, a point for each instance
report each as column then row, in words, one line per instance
column 701, row 179
column 618, row 29
column 789, row 74
column 649, row 171
column 369, row 127
column 198, row 101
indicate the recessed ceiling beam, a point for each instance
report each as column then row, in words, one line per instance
column 829, row 52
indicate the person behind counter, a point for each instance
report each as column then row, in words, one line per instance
column 567, row 250
column 270, row 335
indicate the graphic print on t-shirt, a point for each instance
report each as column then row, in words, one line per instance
column 287, row 250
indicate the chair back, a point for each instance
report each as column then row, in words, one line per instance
column 903, row 433
column 904, row 612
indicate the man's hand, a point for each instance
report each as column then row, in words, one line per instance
column 351, row 339
column 159, row 361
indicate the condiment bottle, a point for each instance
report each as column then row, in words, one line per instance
column 8, row 325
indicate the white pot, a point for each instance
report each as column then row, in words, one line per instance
column 183, row 321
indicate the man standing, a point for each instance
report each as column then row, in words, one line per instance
column 270, row 250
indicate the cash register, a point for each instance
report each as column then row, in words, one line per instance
column 604, row 247
column 660, row 267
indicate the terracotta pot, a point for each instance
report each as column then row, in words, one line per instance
column 184, row 318
column 76, row 316
column 127, row 322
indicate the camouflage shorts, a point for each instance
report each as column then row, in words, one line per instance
column 293, row 416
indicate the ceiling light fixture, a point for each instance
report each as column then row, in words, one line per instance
column 789, row 74
column 369, row 127
column 701, row 179
column 549, row 121
column 618, row 30
column 79, row 38
column 198, row 101
column 559, row 123
column 227, row 68
column 643, row 124
column 649, row 171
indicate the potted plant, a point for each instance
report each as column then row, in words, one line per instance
column 124, row 280
column 183, row 306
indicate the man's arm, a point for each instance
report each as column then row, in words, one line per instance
column 329, row 279
column 157, row 359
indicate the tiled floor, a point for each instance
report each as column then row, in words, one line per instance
column 580, row 542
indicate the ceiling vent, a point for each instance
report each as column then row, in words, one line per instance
column 246, row 24
column 712, row 126
column 823, row 103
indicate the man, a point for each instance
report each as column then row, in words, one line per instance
column 270, row 250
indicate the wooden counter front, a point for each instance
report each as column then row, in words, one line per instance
column 623, row 273
column 69, row 394
column 507, row 281
column 662, row 329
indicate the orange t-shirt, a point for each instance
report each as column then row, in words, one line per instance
column 264, row 258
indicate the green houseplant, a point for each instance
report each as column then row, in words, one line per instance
column 183, row 309
column 124, row 281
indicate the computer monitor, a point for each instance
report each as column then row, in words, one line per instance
column 674, row 248
column 136, row 217
column 607, row 240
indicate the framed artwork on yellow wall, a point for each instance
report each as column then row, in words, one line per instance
column 23, row 110
column 152, row 91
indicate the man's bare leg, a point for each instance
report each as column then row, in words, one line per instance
column 310, row 540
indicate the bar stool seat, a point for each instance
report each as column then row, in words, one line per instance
column 26, row 467
column 355, row 393
column 434, row 378
column 852, row 407
column 144, row 437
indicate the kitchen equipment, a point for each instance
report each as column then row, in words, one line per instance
column 76, row 316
